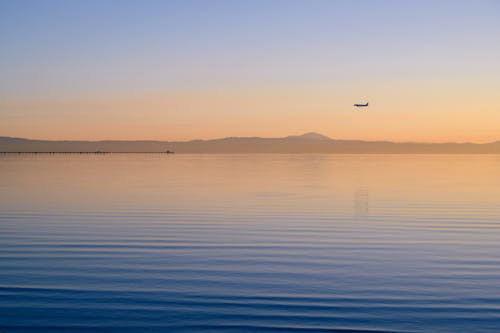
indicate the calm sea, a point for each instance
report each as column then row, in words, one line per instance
column 242, row 243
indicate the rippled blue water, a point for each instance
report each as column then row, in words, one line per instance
column 239, row 243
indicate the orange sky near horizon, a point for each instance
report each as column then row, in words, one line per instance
column 425, row 112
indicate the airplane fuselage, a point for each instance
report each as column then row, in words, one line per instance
column 360, row 105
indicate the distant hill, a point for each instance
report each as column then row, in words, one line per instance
column 306, row 143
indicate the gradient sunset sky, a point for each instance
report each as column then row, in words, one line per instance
column 177, row 70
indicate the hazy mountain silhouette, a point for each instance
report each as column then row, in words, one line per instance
column 309, row 136
column 306, row 143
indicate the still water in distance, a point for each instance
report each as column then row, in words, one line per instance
column 155, row 243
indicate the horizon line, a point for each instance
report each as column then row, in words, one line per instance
column 320, row 137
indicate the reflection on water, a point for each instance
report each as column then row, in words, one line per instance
column 152, row 243
column 361, row 202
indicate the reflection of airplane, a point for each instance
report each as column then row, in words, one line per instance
column 362, row 202
column 361, row 105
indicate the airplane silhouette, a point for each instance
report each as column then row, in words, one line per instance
column 361, row 105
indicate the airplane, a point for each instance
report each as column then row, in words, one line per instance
column 361, row 105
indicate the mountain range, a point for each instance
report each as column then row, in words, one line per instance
column 306, row 143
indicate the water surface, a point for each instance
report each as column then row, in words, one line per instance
column 238, row 243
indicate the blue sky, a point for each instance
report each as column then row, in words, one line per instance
column 79, row 49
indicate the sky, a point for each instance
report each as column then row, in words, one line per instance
column 180, row 70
